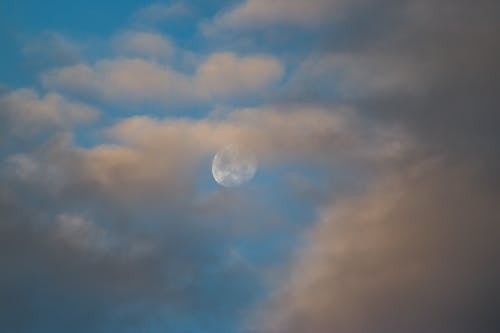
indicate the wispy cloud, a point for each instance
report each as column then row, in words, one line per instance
column 262, row 14
column 142, row 43
column 158, row 12
column 51, row 48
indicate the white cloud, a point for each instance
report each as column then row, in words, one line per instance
column 125, row 79
column 24, row 110
column 143, row 43
column 255, row 14
column 276, row 134
column 226, row 73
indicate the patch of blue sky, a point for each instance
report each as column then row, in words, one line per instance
column 285, row 211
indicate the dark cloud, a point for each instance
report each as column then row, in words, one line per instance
column 417, row 253
column 87, row 249
column 431, row 66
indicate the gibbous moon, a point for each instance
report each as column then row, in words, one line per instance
column 233, row 166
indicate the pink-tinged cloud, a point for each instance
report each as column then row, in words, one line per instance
column 221, row 75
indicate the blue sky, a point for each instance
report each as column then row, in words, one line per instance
column 372, row 126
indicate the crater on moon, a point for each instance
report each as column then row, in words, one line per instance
column 233, row 166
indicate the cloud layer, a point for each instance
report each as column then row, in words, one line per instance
column 415, row 252
column 221, row 75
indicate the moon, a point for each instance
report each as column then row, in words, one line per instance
column 233, row 166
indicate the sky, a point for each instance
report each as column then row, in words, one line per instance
column 374, row 207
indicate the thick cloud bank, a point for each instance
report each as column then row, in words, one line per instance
column 417, row 252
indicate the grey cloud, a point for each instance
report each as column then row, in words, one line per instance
column 116, row 234
column 430, row 66
column 88, row 249
column 120, row 225
column 417, row 252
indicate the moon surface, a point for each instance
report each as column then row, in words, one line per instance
column 233, row 166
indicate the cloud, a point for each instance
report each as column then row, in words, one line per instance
column 220, row 75
column 276, row 134
column 354, row 75
column 408, row 65
column 414, row 253
column 158, row 12
column 141, row 43
column 51, row 48
column 111, row 241
column 119, row 235
column 79, row 232
column 86, row 272
column 85, row 236
column 111, row 172
column 223, row 73
column 154, row 160
column 25, row 112
column 120, row 228
column 257, row 14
